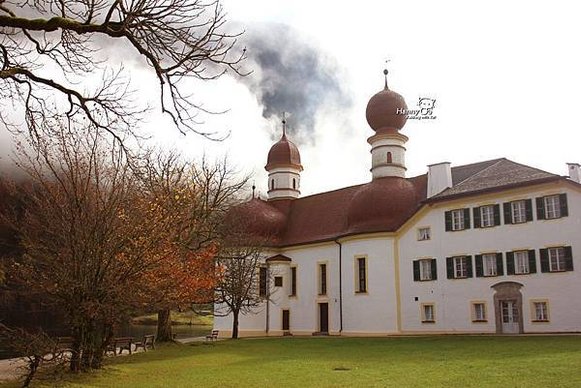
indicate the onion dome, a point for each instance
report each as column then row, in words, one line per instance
column 283, row 153
column 382, row 205
column 256, row 218
column 386, row 109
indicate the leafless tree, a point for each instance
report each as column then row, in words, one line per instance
column 49, row 57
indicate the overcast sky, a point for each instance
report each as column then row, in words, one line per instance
column 505, row 76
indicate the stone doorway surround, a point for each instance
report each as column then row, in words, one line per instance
column 507, row 291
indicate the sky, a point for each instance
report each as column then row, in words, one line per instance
column 505, row 77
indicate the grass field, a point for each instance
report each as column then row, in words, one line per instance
column 350, row 362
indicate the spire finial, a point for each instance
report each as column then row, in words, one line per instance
column 284, row 124
column 253, row 189
column 385, row 72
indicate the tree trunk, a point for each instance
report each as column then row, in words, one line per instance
column 235, row 324
column 164, row 333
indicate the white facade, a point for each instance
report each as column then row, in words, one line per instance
column 392, row 302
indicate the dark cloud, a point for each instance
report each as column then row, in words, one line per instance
column 291, row 74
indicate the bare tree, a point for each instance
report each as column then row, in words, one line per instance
column 51, row 48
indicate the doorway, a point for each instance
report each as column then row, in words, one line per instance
column 285, row 320
column 508, row 307
column 323, row 318
column 510, row 317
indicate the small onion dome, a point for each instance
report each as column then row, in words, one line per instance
column 386, row 109
column 283, row 153
column 256, row 218
column 382, row 205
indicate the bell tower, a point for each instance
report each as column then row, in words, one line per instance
column 284, row 169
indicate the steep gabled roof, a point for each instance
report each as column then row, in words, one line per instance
column 492, row 175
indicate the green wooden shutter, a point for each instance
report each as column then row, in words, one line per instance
column 466, row 218
column 568, row 258
column 469, row 271
column 510, row 263
column 540, row 208
column 416, row 270
column 434, row 270
column 545, row 265
column 448, row 218
column 507, row 212
column 476, row 214
column 496, row 215
column 499, row 266
column 450, row 267
column 532, row 261
column 479, row 266
column 563, row 204
column 529, row 209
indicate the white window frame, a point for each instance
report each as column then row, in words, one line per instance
column 557, row 259
column 425, row 269
column 486, row 216
column 428, row 313
column 489, row 264
column 552, row 206
column 479, row 310
column 457, row 217
column 521, row 262
column 424, row 234
column 541, row 311
column 460, row 267
column 518, row 210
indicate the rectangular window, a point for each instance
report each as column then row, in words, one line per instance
column 262, row 281
column 361, row 274
column 278, row 281
column 423, row 234
column 323, row 279
column 486, row 216
column 479, row 311
column 552, row 206
column 521, row 262
column 459, row 267
column 293, row 290
column 458, row 219
column 425, row 269
column 428, row 315
column 541, row 312
column 518, row 211
column 489, row 264
column 557, row 259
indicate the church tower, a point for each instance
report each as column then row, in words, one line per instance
column 386, row 115
column 284, row 169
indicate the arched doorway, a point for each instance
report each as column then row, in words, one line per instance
column 508, row 307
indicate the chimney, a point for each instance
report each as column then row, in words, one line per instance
column 574, row 172
column 439, row 178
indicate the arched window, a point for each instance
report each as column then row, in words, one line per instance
column 272, row 184
column 294, row 184
column 389, row 157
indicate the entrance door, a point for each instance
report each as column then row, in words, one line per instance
column 286, row 320
column 323, row 317
column 510, row 316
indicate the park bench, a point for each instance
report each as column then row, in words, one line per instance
column 148, row 341
column 121, row 344
column 213, row 335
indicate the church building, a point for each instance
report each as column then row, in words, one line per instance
column 489, row 247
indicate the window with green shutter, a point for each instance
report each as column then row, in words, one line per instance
column 556, row 259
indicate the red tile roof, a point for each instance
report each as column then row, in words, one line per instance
column 382, row 205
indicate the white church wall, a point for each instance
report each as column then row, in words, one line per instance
column 452, row 298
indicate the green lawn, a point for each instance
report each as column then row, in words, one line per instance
column 347, row 362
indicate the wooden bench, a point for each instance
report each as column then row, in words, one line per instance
column 213, row 336
column 148, row 341
column 121, row 343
